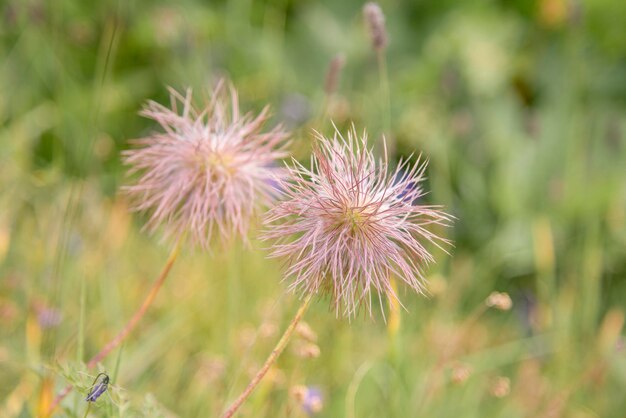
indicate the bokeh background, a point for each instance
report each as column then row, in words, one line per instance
column 519, row 106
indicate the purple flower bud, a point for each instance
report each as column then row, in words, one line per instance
column 313, row 401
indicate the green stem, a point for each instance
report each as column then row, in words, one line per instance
column 87, row 410
column 80, row 352
column 385, row 94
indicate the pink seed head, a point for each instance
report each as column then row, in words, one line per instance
column 347, row 224
column 210, row 170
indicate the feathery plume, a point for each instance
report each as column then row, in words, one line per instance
column 347, row 224
column 375, row 20
column 209, row 171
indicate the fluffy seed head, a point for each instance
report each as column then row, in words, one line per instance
column 347, row 224
column 209, row 171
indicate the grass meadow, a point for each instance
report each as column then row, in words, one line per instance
column 520, row 108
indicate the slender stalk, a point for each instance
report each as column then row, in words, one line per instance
column 140, row 313
column 384, row 91
column 87, row 410
column 80, row 352
column 130, row 326
column 395, row 317
column 278, row 349
column 395, row 309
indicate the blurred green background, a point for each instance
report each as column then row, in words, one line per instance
column 520, row 107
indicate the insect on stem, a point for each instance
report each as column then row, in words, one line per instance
column 98, row 388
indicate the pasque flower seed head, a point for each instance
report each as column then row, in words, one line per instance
column 347, row 224
column 209, row 171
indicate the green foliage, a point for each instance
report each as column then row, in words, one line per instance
column 520, row 107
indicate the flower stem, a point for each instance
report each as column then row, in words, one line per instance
column 395, row 319
column 278, row 349
column 130, row 326
column 87, row 410
column 384, row 91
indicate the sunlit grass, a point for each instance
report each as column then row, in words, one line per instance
column 523, row 124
